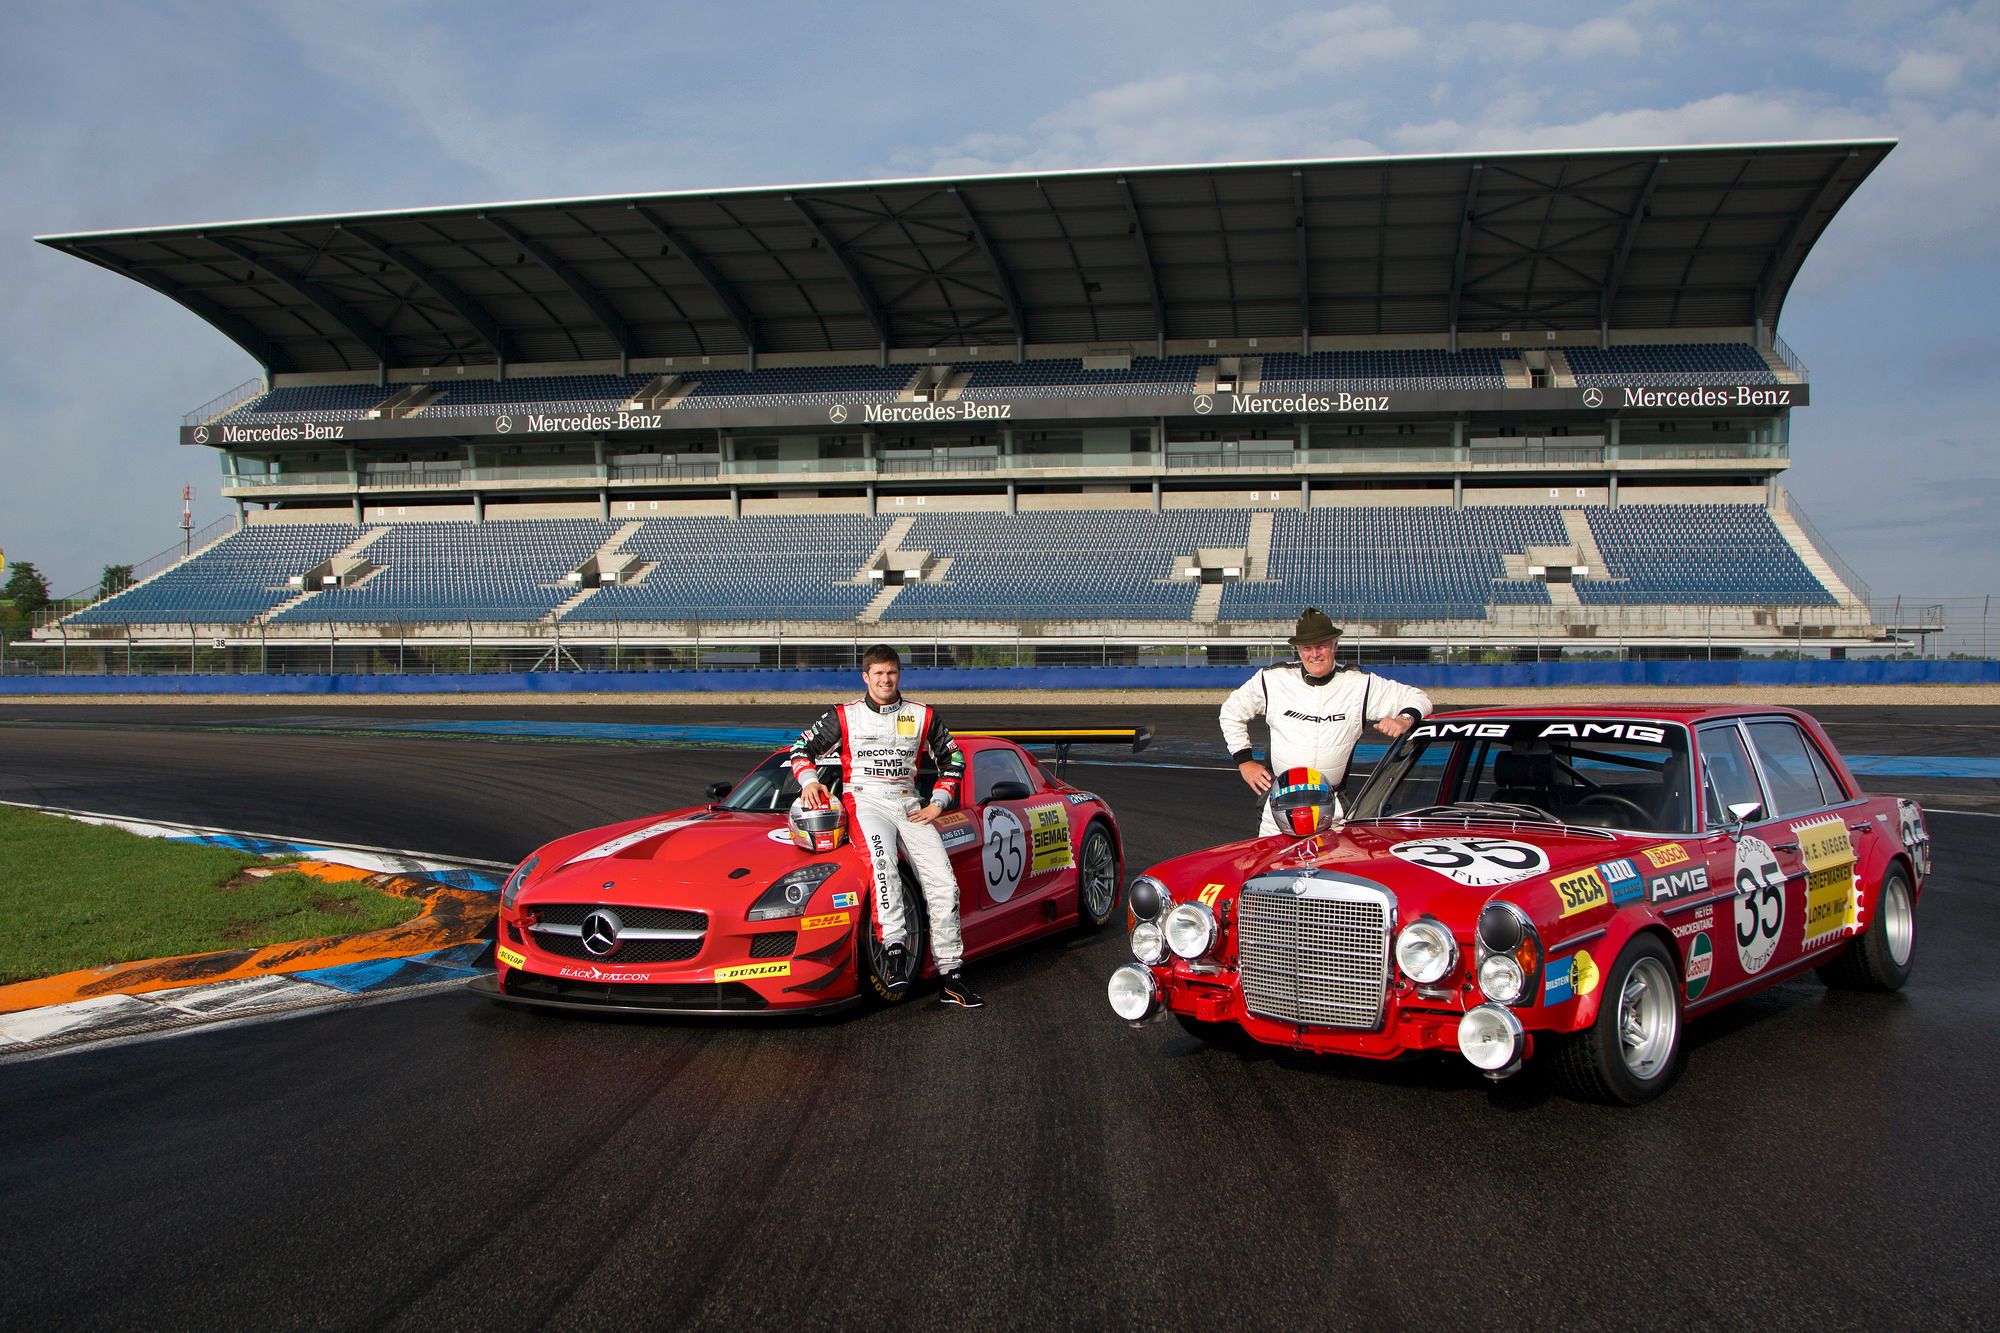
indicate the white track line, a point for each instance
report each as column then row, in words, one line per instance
column 327, row 843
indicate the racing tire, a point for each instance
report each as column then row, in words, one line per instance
column 1879, row 958
column 1096, row 879
column 874, row 954
column 1631, row 1051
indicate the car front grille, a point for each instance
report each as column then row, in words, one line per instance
column 628, row 951
column 638, row 918
column 774, row 944
column 1313, row 948
column 645, row 934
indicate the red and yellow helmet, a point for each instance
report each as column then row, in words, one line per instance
column 817, row 830
column 1302, row 802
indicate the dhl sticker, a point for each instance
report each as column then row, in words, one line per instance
column 1582, row 891
column 822, row 922
column 510, row 958
column 1667, row 854
column 1209, row 893
column 848, row 899
column 746, row 971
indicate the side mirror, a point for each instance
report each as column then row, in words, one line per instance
column 1741, row 813
column 718, row 790
column 1010, row 791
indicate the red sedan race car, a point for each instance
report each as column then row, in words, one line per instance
column 1574, row 881
column 715, row 910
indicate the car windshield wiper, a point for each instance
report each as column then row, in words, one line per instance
column 1468, row 811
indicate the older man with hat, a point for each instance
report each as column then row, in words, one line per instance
column 1315, row 711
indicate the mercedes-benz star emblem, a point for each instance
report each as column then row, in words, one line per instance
column 837, row 413
column 201, row 435
column 1593, row 398
column 600, row 932
column 1204, row 404
column 503, row 425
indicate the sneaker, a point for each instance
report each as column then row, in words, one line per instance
column 958, row 993
column 896, row 964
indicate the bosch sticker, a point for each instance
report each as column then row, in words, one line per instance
column 1474, row 862
column 1623, row 879
column 1051, row 833
column 1701, row 963
column 745, row 971
column 1760, row 903
column 1004, row 855
column 1667, row 854
column 822, row 922
column 1582, row 891
column 510, row 958
column 1570, row 978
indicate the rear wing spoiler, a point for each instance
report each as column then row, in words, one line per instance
column 1065, row 737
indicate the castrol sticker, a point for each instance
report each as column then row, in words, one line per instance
column 1475, row 862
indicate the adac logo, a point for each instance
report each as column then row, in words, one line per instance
column 837, row 413
column 1593, row 397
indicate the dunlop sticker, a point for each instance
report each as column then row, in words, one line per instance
column 510, row 958
column 746, row 971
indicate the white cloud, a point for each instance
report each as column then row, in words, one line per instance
column 1925, row 74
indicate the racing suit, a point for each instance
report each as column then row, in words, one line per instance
column 1314, row 722
column 880, row 748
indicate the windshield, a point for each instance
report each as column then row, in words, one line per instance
column 769, row 787
column 1603, row 772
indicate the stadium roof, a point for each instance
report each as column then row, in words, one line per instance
column 1636, row 238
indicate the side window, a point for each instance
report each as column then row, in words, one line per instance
column 1727, row 777
column 991, row 767
column 1788, row 766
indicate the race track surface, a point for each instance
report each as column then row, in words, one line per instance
column 1823, row 1162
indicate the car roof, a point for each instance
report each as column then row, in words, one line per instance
column 1686, row 714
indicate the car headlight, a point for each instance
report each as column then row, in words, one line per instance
column 1191, row 930
column 789, row 894
column 1510, row 954
column 511, row 890
column 1148, row 898
column 1490, row 1037
column 1425, row 951
column 1133, row 993
column 1149, row 943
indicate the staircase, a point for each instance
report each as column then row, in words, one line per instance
column 1207, row 604
column 1580, row 535
column 878, row 604
column 368, row 537
column 1785, row 374
column 1815, row 563
column 1257, row 553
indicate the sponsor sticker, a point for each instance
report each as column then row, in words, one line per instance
column 1760, row 903
column 1474, row 862
column 906, row 725
column 746, row 971
column 1830, row 889
column 1666, row 854
column 956, row 830
column 1050, row 826
column 848, row 899
column 1080, row 797
column 510, row 958
column 1916, row 838
column 1581, row 891
column 1701, row 962
column 1679, row 884
column 1623, row 878
column 1208, row 895
column 1570, row 978
column 1704, row 919
column 822, row 922
column 589, row 973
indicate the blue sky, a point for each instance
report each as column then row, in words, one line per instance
column 127, row 115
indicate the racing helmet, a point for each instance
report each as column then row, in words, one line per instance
column 816, row 830
column 1302, row 802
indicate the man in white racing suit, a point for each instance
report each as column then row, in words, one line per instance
column 881, row 739
column 1315, row 711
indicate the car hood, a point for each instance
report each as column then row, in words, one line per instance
column 688, row 855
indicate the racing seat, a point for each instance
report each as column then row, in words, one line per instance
column 1526, row 777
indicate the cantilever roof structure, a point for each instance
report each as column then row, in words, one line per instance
column 1639, row 238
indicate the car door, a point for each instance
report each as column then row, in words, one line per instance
column 1025, row 858
column 1738, row 917
column 1815, row 845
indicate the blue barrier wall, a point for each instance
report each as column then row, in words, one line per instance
column 934, row 680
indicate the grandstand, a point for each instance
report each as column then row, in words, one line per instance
column 1474, row 399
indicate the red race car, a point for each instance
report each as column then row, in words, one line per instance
column 1575, row 881
column 714, row 910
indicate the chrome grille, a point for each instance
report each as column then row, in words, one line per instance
column 1320, row 956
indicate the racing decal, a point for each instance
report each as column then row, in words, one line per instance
column 1081, row 797
column 1666, row 854
column 1570, row 978
column 1491, row 729
column 822, row 922
column 745, row 971
column 1581, row 891
column 1679, row 884
column 847, row 899
column 955, row 829
column 1474, row 862
column 1701, row 963
column 1760, row 903
column 1704, row 920
column 589, row 973
column 906, row 724
column 1617, row 731
column 1916, row 838
column 1830, row 889
column 1623, row 878
column 637, row 835
column 1209, row 894
column 1051, row 837
column 783, row 835
column 1005, row 853
column 510, row 958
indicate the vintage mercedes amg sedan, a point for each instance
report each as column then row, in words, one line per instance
column 1572, row 882
column 716, row 910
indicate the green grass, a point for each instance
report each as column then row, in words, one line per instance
column 79, row 895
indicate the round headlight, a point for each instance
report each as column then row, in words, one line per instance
column 1425, row 951
column 1132, row 993
column 1148, row 898
column 1149, row 943
column 1501, row 977
column 1191, row 930
column 1490, row 1037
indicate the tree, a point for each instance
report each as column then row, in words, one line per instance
column 115, row 579
column 26, row 588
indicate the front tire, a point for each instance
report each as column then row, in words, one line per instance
column 1879, row 958
column 874, row 954
column 1632, row 1050
column 1096, row 879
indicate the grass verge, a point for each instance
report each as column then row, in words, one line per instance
column 80, row 895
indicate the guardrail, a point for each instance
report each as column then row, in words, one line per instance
column 223, row 403
column 194, row 544
column 1789, row 357
column 1854, row 581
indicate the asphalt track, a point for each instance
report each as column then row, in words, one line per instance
column 1826, row 1160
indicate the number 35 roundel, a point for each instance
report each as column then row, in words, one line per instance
column 1476, row 862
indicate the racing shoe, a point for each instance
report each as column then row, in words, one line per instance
column 896, row 966
column 958, row 993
